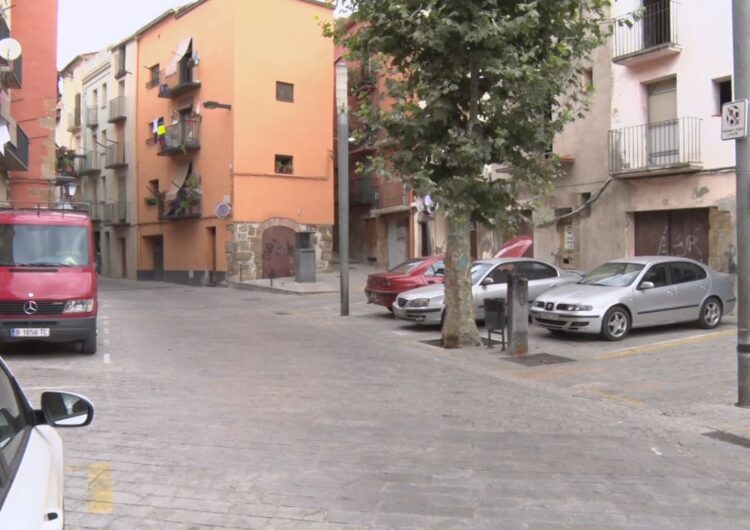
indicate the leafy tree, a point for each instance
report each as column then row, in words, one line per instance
column 470, row 82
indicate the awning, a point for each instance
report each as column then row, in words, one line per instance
column 183, row 170
column 182, row 49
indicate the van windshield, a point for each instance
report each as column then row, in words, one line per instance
column 43, row 245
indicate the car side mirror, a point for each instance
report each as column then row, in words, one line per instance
column 487, row 281
column 62, row 409
column 646, row 285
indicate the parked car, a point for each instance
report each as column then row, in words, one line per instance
column 426, row 305
column 518, row 247
column 31, row 476
column 383, row 287
column 637, row 292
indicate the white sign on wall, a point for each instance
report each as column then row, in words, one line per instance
column 734, row 120
column 569, row 239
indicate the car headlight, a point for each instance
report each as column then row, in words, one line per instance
column 419, row 302
column 574, row 307
column 79, row 306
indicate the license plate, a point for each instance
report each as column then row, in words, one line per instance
column 550, row 316
column 29, row 332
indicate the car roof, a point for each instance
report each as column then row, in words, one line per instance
column 495, row 261
column 56, row 217
column 648, row 260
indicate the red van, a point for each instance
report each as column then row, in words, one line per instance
column 48, row 283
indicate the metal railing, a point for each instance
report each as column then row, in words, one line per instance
column 656, row 26
column 117, row 109
column 182, row 206
column 92, row 116
column 181, row 137
column 74, row 121
column 181, row 80
column 362, row 190
column 90, row 162
column 116, row 212
column 115, row 156
column 19, row 152
column 12, row 73
column 655, row 145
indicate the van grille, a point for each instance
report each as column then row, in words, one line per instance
column 45, row 308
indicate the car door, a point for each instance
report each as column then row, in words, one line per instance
column 435, row 272
column 541, row 277
column 690, row 282
column 655, row 305
column 30, row 465
column 497, row 289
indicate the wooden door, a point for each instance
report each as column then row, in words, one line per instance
column 278, row 252
column 682, row 233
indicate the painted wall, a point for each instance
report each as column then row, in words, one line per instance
column 211, row 26
column 282, row 41
column 34, row 25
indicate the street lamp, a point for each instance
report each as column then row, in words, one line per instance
column 342, row 139
column 216, row 105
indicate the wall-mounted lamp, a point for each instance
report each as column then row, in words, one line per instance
column 216, row 105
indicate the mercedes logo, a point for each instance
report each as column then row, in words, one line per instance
column 30, row 307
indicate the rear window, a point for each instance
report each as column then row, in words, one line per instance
column 683, row 272
column 44, row 245
column 405, row 267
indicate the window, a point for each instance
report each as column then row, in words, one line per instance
column 284, row 164
column 94, row 98
column 500, row 273
column 683, row 272
column 154, row 79
column 533, row 270
column 586, row 211
column 13, row 420
column 120, row 62
column 284, row 92
column 723, row 92
column 657, row 275
column 104, row 95
column 437, row 269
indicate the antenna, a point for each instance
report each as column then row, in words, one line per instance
column 10, row 49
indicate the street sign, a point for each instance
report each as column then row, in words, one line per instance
column 734, row 120
column 569, row 239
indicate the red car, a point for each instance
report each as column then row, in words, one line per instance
column 518, row 247
column 383, row 287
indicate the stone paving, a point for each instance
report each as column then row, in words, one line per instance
column 225, row 408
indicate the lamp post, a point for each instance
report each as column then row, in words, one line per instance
column 342, row 139
column 216, row 105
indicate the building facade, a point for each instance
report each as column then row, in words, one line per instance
column 233, row 140
column 648, row 172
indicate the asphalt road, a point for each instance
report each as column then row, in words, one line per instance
column 220, row 408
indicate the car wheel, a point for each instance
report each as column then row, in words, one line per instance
column 710, row 315
column 88, row 345
column 616, row 323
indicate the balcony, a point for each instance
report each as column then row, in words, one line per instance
column 363, row 190
column 12, row 73
column 116, row 213
column 652, row 36
column 90, row 163
column 185, row 205
column 115, row 156
column 179, row 82
column 181, row 137
column 662, row 148
column 92, row 116
column 74, row 121
column 98, row 210
column 117, row 109
column 391, row 196
column 17, row 154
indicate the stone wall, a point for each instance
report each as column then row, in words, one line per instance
column 245, row 247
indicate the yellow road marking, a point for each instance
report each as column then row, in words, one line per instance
column 101, row 489
column 606, row 394
column 663, row 345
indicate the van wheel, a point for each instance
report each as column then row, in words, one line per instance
column 710, row 315
column 88, row 345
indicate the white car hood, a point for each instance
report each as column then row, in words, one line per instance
column 577, row 293
column 428, row 291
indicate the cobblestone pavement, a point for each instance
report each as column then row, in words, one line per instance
column 222, row 408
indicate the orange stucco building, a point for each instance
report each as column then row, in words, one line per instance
column 234, row 140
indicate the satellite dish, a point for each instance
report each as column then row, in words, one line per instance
column 10, row 49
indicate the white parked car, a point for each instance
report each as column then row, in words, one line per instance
column 426, row 305
column 31, row 461
column 637, row 292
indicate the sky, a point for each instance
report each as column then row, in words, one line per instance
column 92, row 25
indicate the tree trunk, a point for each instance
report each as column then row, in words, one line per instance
column 459, row 326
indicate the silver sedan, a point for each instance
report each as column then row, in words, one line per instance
column 426, row 305
column 637, row 292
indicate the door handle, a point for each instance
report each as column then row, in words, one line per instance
column 670, row 291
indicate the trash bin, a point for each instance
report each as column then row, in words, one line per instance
column 304, row 257
column 494, row 319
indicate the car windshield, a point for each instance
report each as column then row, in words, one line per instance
column 478, row 270
column 613, row 274
column 43, row 245
column 406, row 267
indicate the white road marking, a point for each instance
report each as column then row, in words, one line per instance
column 106, row 358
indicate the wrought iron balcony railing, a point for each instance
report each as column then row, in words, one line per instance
column 115, row 156
column 17, row 155
column 92, row 116
column 181, row 137
column 363, row 190
column 116, row 213
column 181, row 206
column 90, row 163
column 672, row 146
column 652, row 34
column 117, row 109
column 178, row 82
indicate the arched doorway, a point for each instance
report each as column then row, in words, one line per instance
column 278, row 252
